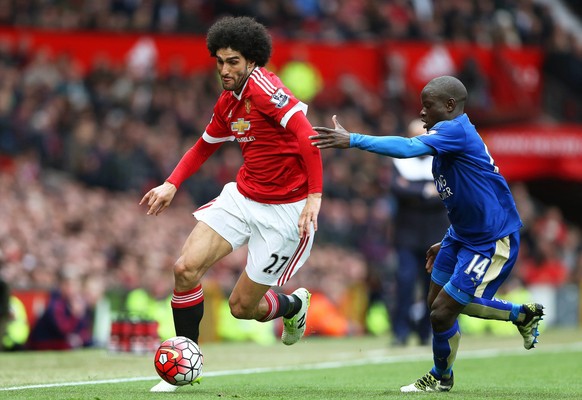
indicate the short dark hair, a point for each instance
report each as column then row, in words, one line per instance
column 242, row 34
column 446, row 87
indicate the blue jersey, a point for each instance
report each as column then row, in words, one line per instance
column 479, row 203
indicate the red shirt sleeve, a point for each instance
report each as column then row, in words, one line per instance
column 301, row 128
column 191, row 161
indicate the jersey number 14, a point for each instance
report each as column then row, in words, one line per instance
column 478, row 267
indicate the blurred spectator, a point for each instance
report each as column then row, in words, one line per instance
column 562, row 69
column 4, row 307
column 151, row 301
column 14, row 328
column 550, row 227
column 67, row 320
column 477, row 84
column 545, row 268
column 325, row 319
column 337, row 279
column 545, row 243
column 17, row 328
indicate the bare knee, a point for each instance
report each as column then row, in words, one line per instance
column 186, row 275
column 240, row 310
column 443, row 316
column 242, row 306
column 438, row 319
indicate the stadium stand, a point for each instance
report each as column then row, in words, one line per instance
column 78, row 147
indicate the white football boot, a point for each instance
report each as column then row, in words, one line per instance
column 294, row 327
column 164, row 386
column 428, row 383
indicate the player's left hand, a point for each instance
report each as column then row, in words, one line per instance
column 309, row 214
column 338, row 137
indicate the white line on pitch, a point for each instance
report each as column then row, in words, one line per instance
column 379, row 359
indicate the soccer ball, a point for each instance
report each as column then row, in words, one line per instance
column 178, row 361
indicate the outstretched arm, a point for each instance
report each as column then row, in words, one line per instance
column 393, row 146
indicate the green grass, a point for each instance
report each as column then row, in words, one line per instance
column 316, row 368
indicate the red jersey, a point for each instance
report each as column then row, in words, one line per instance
column 275, row 158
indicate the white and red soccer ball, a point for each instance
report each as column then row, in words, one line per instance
column 178, row 361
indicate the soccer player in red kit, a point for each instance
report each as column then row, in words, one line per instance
column 272, row 207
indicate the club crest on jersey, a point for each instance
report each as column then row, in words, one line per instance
column 247, row 106
column 280, row 98
column 240, row 126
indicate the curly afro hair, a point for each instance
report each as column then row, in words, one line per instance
column 242, row 34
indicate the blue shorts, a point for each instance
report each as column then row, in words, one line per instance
column 467, row 272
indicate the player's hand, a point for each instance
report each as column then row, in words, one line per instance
column 431, row 254
column 309, row 214
column 429, row 190
column 326, row 138
column 159, row 198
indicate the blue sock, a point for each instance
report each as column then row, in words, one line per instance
column 493, row 309
column 444, row 348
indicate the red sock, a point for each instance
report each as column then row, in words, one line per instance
column 274, row 305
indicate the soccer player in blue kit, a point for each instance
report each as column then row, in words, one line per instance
column 481, row 245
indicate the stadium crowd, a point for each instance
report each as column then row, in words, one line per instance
column 513, row 23
column 525, row 21
column 77, row 152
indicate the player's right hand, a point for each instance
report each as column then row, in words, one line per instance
column 159, row 198
column 431, row 254
column 326, row 138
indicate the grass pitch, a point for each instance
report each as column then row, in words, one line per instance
column 315, row 368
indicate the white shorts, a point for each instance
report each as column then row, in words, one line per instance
column 275, row 252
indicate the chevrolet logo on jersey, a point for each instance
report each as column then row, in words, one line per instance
column 240, row 126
